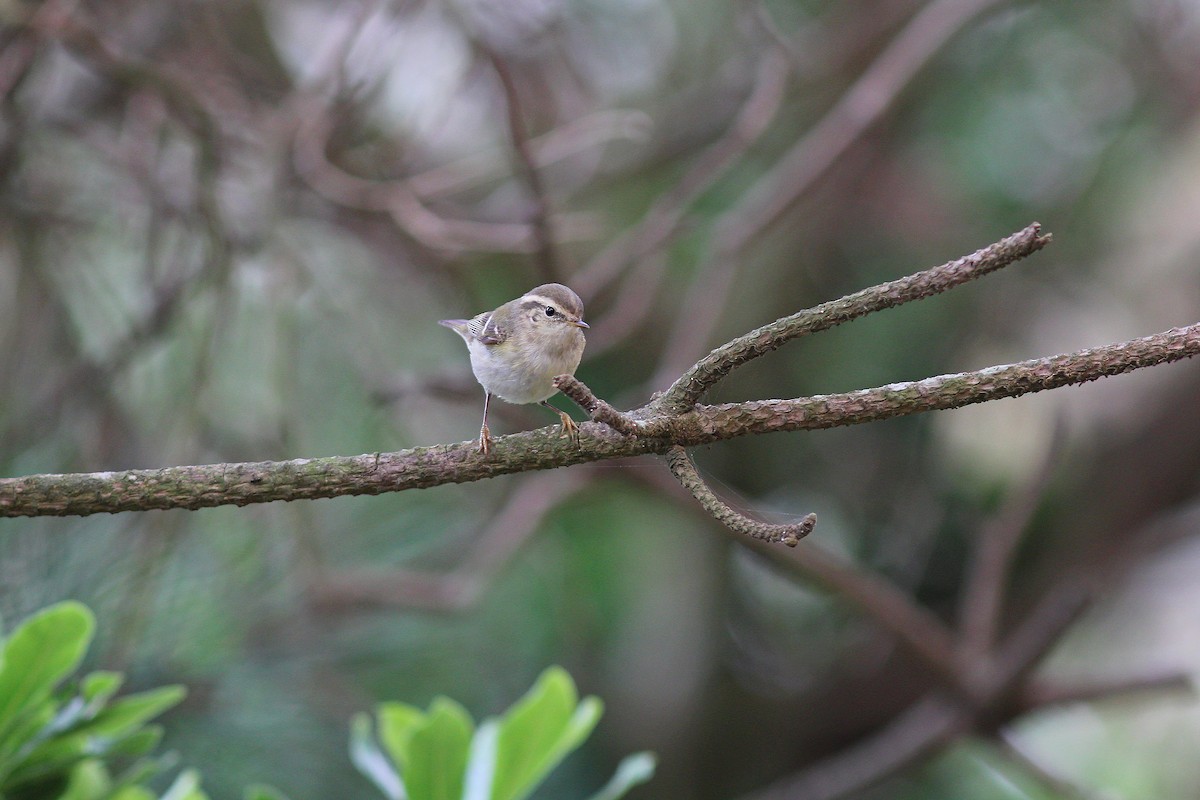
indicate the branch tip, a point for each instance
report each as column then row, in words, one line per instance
column 596, row 408
column 685, row 472
column 648, row 430
column 710, row 370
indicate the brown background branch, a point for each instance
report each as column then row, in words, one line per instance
column 194, row 487
column 241, row 233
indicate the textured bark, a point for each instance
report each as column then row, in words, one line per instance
column 685, row 472
column 241, row 484
column 720, row 362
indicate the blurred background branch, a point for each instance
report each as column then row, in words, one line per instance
column 646, row 430
column 229, row 230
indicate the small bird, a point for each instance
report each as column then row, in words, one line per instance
column 520, row 348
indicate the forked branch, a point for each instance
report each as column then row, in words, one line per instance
column 685, row 471
column 659, row 425
column 708, row 371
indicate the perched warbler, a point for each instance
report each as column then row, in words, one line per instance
column 518, row 349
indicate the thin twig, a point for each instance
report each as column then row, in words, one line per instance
column 1025, row 648
column 1042, row 695
column 575, row 136
column 599, row 410
column 920, row 633
column 397, row 199
column 548, row 258
column 797, row 170
column 260, row 482
column 664, row 218
column 508, row 529
column 859, row 108
column 915, row 735
column 685, row 472
column 983, row 595
column 720, row 362
column 917, row 630
column 1009, row 745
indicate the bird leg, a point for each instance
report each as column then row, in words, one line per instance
column 485, row 436
column 569, row 428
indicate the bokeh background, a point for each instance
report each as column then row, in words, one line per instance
column 229, row 228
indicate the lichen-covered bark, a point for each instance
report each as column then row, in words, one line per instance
column 194, row 487
column 686, row 391
column 685, row 472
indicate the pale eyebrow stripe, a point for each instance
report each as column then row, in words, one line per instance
column 539, row 300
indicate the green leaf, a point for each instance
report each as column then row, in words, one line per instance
column 185, row 787
column 98, row 688
column 437, row 753
column 117, row 730
column 397, row 723
column 481, row 763
column 56, row 754
column 633, row 771
column 37, row 723
column 89, row 780
column 101, row 684
column 262, row 792
column 142, row 770
column 135, row 743
column 540, row 730
column 40, row 653
column 132, row 793
column 371, row 761
column 129, row 712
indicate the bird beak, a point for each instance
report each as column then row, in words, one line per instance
column 578, row 323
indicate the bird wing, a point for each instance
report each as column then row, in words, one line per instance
column 484, row 329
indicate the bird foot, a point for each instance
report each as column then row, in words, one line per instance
column 485, row 440
column 569, row 428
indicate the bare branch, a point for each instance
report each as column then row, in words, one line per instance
column 397, row 198
column 720, row 362
column 918, row 733
column 194, row 487
column 796, row 171
column 509, row 528
column 1011, row 746
column 548, row 260
column 685, row 471
column 261, row 482
column 918, row 631
column 599, row 410
column 1043, row 695
column 663, row 220
column 578, row 135
column 857, row 110
column 931, row 394
column 983, row 596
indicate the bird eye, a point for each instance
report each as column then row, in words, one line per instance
column 550, row 312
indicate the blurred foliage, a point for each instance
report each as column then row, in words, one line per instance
column 441, row 755
column 210, row 252
column 61, row 741
column 62, row 744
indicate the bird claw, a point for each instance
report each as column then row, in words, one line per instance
column 569, row 428
column 485, row 441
